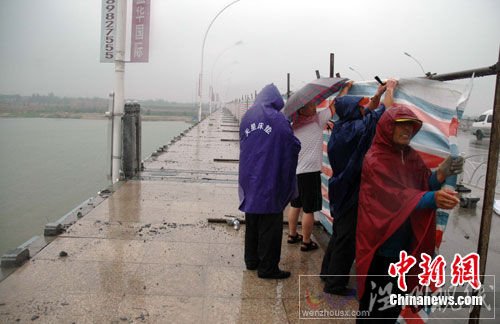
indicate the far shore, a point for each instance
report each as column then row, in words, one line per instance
column 94, row 116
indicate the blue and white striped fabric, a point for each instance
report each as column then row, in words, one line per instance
column 440, row 106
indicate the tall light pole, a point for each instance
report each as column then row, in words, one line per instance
column 360, row 75
column 423, row 71
column 221, row 72
column 213, row 68
column 119, row 91
column 224, row 69
column 200, row 81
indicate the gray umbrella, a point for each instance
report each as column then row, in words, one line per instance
column 314, row 92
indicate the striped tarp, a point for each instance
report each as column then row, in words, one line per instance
column 439, row 105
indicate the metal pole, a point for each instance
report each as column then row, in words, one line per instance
column 287, row 85
column 360, row 75
column 332, row 62
column 119, row 89
column 489, row 193
column 111, row 103
column 407, row 54
column 138, row 136
column 480, row 72
column 200, row 81
column 213, row 68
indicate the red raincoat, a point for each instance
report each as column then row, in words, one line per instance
column 392, row 183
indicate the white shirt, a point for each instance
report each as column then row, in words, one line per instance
column 311, row 140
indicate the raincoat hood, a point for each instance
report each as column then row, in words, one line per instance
column 385, row 128
column 347, row 107
column 269, row 97
column 268, row 156
column 351, row 137
column 393, row 181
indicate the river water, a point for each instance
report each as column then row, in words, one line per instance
column 49, row 166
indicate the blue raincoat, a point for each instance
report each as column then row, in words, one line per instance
column 268, row 156
column 350, row 140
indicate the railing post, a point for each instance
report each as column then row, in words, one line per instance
column 287, row 85
column 138, row 137
column 489, row 193
column 131, row 140
column 332, row 61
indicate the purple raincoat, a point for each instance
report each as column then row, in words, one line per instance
column 268, row 156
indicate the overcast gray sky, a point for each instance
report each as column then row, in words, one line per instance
column 53, row 45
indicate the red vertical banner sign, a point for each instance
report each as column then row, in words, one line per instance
column 139, row 45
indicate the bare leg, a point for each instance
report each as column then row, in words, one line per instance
column 307, row 226
column 293, row 219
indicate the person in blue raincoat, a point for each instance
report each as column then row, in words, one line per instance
column 350, row 140
column 268, row 160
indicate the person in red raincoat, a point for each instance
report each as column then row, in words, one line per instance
column 398, row 199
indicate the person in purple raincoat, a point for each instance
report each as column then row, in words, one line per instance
column 268, row 160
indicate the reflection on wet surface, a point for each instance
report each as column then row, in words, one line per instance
column 148, row 254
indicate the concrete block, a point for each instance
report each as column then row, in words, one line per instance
column 15, row 257
column 469, row 202
column 52, row 229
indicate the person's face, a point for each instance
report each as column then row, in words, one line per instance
column 403, row 132
column 308, row 110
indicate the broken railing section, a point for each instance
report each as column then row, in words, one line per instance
column 131, row 164
column 164, row 148
column 17, row 256
column 60, row 225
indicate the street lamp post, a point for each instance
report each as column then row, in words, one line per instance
column 423, row 71
column 360, row 75
column 200, row 81
column 221, row 72
column 213, row 68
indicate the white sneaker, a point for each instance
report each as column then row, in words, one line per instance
column 496, row 206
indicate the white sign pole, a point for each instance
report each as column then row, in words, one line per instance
column 119, row 88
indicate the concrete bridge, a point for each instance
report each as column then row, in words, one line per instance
column 148, row 253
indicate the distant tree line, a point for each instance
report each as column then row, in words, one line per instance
column 52, row 104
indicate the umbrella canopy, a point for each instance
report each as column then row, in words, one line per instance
column 314, row 92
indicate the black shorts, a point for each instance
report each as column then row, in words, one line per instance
column 309, row 198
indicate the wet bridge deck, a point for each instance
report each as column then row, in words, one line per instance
column 148, row 253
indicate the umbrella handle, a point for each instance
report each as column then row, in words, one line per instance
column 379, row 81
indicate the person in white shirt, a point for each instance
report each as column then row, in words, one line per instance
column 308, row 125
